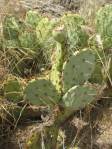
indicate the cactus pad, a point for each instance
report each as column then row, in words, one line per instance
column 41, row 92
column 76, row 36
column 28, row 41
column 78, row 69
column 32, row 18
column 13, row 89
column 56, row 71
column 11, row 28
column 80, row 96
column 104, row 25
column 59, row 34
column 44, row 32
column 73, row 19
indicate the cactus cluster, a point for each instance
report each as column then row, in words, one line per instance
column 75, row 67
column 74, row 74
column 28, row 39
column 42, row 92
column 73, row 91
column 36, row 36
column 79, row 66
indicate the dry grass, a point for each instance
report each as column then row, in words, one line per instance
column 88, row 9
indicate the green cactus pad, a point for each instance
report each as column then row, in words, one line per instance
column 59, row 34
column 41, row 92
column 11, row 28
column 104, row 25
column 28, row 40
column 44, row 31
column 76, row 36
column 78, row 69
column 13, row 89
column 73, row 19
column 56, row 71
column 32, row 18
column 55, row 78
column 44, row 37
column 80, row 96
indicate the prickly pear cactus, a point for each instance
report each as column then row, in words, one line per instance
column 44, row 32
column 32, row 18
column 29, row 41
column 104, row 25
column 80, row 96
column 78, row 69
column 41, row 92
column 60, row 55
column 11, row 28
column 13, row 89
column 73, row 19
column 59, row 34
column 56, row 71
column 76, row 36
